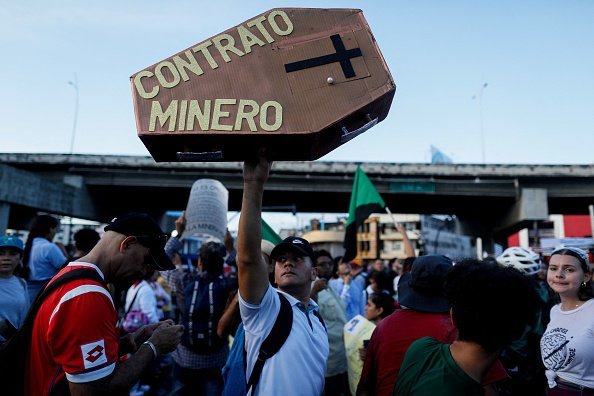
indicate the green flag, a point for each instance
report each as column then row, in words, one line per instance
column 364, row 201
column 268, row 234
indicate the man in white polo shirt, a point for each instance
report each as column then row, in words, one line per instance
column 298, row 368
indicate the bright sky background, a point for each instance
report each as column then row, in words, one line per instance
column 536, row 56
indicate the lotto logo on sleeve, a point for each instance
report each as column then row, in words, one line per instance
column 93, row 354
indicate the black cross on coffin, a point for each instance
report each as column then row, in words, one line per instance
column 342, row 55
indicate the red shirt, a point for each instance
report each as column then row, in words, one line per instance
column 389, row 343
column 74, row 335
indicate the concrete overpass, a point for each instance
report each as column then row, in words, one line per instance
column 489, row 200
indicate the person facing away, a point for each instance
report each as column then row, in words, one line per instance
column 75, row 345
column 202, row 295
column 14, row 298
column 42, row 259
column 491, row 306
column 298, row 368
column 333, row 311
column 84, row 240
column 424, row 313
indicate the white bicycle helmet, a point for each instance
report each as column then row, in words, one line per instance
column 522, row 259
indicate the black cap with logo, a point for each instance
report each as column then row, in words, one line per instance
column 295, row 245
column 147, row 232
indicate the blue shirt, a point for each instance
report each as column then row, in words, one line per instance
column 45, row 260
column 298, row 368
column 351, row 295
column 333, row 311
column 14, row 301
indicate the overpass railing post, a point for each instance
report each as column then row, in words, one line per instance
column 4, row 213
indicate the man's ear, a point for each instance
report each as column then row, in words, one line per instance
column 452, row 317
column 314, row 273
column 126, row 242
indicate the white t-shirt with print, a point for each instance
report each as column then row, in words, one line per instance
column 567, row 346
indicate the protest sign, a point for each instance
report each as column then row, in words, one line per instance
column 356, row 331
column 299, row 81
column 206, row 214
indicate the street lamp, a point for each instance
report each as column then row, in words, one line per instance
column 74, row 85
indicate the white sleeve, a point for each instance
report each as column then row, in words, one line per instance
column 147, row 302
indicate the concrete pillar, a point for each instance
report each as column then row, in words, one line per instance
column 531, row 205
column 4, row 213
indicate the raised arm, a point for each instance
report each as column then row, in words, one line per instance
column 409, row 251
column 252, row 270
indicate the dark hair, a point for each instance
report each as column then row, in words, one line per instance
column 85, row 239
column 40, row 227
column 321, row 253
column 383, row 281
column 212, row 255
column 337, row 260
column 491, row 305
column 148, row 274
column 385, row 301
column 407, row 264
column 585, row 292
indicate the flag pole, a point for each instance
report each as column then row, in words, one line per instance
column 392, row 216
column 408, row 248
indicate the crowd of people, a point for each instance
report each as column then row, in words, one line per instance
column 121, row 315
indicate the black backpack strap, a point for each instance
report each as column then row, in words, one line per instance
column 123, row 318
column 273, row 343
column 317, row 314
column 13, row 370
column 69, row 276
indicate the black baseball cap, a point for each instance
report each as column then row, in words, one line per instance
column 147, row 232
column 295, row 245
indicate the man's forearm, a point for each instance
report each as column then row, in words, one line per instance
column 124, row 376
column 252, row 270
column 128, row 372
column 250, row 225
column 227, row 318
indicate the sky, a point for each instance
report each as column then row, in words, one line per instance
column 535, row 58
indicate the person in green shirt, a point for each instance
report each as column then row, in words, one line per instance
column 491, row 306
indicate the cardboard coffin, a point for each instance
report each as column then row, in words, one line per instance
column 297, row 81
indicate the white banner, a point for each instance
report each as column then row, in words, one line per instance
column 553, row 243
column 440, row 240
column 206, row 214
